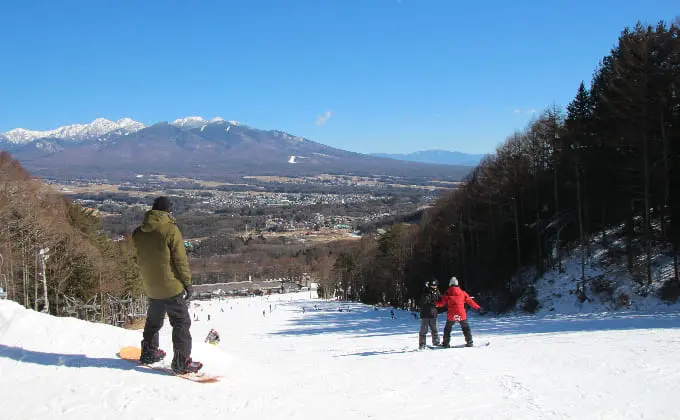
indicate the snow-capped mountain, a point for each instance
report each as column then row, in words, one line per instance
column 75, row 132
column 194, row 146
column 196, row 122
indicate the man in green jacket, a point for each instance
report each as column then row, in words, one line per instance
column 164, row 266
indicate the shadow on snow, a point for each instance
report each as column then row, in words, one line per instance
column 365, row 321
column 22, row 355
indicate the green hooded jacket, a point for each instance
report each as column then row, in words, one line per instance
column 160, row 255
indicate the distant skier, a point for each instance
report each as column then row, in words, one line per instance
column 213, row 337
column 456, row 298
column 428, row 313
column 166, row 277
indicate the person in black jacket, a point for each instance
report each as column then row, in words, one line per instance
column 428, row 313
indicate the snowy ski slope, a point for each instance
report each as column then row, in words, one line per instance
column 360, row 364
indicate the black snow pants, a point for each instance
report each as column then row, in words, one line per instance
column 178, row 313
column 463, row 326
column 425, row 324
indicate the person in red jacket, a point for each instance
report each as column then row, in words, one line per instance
column 456, row 298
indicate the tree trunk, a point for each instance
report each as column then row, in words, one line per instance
column 630, row 232
column 648, row 232
column 557, row 212
column 580, row 223
column 519, row 255
column 24, row 282
column 539, row 245
column 489, row 257
column 675, row 262
column 604, row 226
column 35, row 283
column 586, row 212
column 462, row 247
column 667, row 183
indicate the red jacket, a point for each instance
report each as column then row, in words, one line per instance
column 456, row 298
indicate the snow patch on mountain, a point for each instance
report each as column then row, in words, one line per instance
column 75, row 132
column 285, row 136
column 196, row 122
column 48, row 147
column 189, row 122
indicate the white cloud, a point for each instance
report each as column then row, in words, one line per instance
column 531, row 111
column 517, row 111
column 323, row 119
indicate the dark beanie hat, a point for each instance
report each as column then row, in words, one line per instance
column 162, row 203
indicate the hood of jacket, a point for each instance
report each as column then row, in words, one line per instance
column 153, row 219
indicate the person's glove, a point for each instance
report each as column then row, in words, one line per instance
column 188, row 291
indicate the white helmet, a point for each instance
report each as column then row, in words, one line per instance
column 453, row 282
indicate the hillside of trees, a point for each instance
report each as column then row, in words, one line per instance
column 610, row 160
column 81, row 263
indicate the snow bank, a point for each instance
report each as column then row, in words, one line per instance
column 555, row 290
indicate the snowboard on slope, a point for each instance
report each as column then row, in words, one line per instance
column 460, row 346
column 132, row 354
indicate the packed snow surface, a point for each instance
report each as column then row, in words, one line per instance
column 346, row 361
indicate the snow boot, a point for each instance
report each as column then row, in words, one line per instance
column 181, row 365
column 470, row 344
column 150, row 355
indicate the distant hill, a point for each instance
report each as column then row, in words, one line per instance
column 195, row 147
column 442, row 157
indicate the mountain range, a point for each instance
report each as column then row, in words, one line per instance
column 195, row 147
column 443, row 157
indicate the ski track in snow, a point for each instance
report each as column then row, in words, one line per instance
column 357, row 364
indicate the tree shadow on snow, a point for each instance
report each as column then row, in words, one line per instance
column 609, row 321
column 22, row 355
column 354, row 319
column 365, row 321
column 380, row 352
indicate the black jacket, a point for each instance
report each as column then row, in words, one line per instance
column 426, row 302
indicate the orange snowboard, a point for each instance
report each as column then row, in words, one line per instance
column 132, row 354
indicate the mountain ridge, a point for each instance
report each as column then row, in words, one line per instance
column 194, row 146
column 74, row 132
column 438, row 156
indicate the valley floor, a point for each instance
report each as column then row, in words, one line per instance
column 356, row 364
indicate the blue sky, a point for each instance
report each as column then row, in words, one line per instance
column 363, row 75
